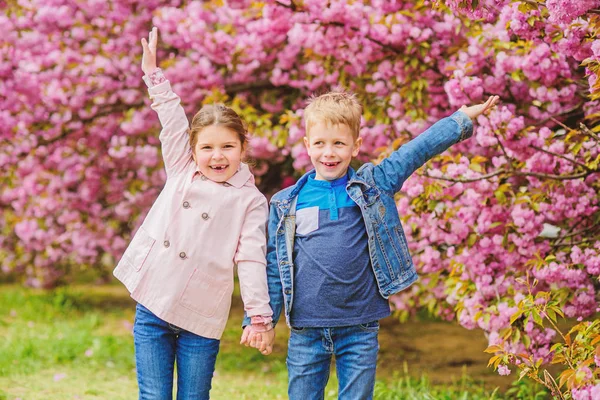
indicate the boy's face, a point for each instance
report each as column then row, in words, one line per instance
column 331, row 148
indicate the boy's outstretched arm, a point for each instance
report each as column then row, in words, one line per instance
column 391, row 173
column 174, row 139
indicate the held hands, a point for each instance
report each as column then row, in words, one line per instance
column 149, row 55
column 263, row 341
column 475, row 111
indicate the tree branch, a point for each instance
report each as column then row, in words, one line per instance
column 235, row 88
column 579, row 232
column 561, row 156
column 556, row 177
column 514, row 172
column 588, row 132
column 292, row 6
column 102, row 113
column 465, row 180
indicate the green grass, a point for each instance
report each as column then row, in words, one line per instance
column 76, row 343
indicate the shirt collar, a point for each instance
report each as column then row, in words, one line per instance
column 326, row 184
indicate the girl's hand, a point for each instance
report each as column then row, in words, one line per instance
column 475, row 111
column 263, row 341
column 247, row 335
column 149, row 55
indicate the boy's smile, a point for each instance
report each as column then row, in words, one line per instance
column 331, row 148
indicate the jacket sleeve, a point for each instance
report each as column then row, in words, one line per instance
column 391, row 173
column 174, row 139
column 273, row 277
column 250, row 260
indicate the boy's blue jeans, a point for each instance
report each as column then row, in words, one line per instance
column 158, row 345
column 309, row 357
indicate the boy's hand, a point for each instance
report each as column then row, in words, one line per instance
column 149, row 55
column 266, row 345
column 475, row 111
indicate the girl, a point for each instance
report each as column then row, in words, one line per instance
column 179, row 265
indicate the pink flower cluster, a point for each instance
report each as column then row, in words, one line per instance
column 81, row 160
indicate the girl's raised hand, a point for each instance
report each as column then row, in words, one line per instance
column 149, row 55
column 476, row 110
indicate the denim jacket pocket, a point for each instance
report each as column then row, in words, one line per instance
column 138, row 250
column 202, row 294
column 406, row 258
column 371, row 195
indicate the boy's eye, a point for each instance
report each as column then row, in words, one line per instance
column 339, row 143
column 318, row 142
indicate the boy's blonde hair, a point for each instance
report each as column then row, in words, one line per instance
column 335, row 107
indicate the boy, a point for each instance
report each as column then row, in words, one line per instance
column 336, row 249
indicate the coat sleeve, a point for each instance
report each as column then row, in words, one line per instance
column 174, row 138
column 273, row 278
column 250, row 260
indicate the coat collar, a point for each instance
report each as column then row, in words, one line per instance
column 238, row 179
column 242, row 176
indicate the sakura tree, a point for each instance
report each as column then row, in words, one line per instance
column 503, row 227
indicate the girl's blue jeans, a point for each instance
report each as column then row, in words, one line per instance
column 309, row 357
column 158, row 346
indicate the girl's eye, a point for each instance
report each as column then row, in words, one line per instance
column 228, row 146
column 206, row 148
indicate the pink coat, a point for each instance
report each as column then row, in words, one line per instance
column 180, row 262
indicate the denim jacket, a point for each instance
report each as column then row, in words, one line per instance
column 372, row 188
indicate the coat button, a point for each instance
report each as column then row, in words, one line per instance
column 182, row 255
column 204, row 216
column 186, row 204
column 202, row 177
column 288, row 291
column 166, row 243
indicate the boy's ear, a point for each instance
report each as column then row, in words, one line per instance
column 306, row 142
column 357, row 145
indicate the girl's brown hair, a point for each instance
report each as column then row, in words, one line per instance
column 217, row 114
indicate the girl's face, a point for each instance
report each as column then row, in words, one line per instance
column 218, row 153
